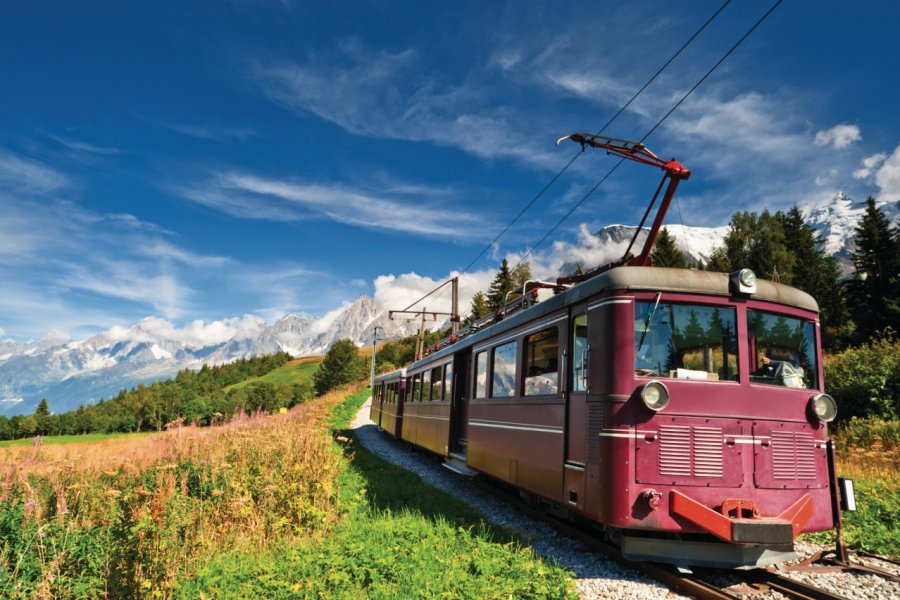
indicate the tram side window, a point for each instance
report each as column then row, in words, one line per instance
column 448, row 382
column 503, row 383
column 426, row 386
column 436, row 381
column 481, row 375
column 782, row 350
column 417, row 387
column 542, row 363
column 579, row 353
column 685, row 341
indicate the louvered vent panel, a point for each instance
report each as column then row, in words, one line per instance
column 594, row 426
column 707, row 452
column 793, row 455
column 675, row 450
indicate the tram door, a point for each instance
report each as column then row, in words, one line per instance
column 576, row 359
column 459, row 411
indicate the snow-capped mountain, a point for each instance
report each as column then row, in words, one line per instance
column 69, row 373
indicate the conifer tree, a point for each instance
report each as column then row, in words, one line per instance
column 815, row 273
column 479, row 308
column 502, row 284
column 876, row 267
column 665, row 253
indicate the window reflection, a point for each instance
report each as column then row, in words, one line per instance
column 579, row 354
column 481, row 375
column 685, row 341
column 503, row 384
column 542, row 363
column 782, row 350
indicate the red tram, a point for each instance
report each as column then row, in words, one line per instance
column 681, row 410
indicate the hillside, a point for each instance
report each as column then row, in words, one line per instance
column 299, row 370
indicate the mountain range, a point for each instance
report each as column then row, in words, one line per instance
column 69, row 373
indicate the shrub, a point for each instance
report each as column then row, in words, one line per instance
column 865, row 381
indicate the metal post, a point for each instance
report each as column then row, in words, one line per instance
column 374, row 341
column 454, row 306
column 420, row 342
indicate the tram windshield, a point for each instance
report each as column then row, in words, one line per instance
column 782, row 350
column 685, row 341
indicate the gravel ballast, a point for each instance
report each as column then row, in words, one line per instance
column 596, row 576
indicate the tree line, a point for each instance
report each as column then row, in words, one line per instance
column 191, row 397
column 784, row 247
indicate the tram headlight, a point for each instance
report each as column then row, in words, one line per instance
column 655, row 395
column 743, row 281
column 824, row 407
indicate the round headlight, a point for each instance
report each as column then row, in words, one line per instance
column 655, row 395
column 824, row 407
column 747, row 277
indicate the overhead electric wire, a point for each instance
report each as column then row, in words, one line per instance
column 602, row 129
column 654, row 128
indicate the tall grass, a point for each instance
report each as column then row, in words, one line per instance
column 127, row 517
column 868, row 451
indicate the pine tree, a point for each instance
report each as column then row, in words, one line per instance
column 502, row 285
column 756, row 242
column 479, row 308
column 815, row 273
column 665, row 253
column 876, row 266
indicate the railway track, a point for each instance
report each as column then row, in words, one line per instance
column 701, row 584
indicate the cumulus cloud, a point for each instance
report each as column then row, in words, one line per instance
column 888, row 177
column 839, row 136
column 869, row 165
column 197, row 334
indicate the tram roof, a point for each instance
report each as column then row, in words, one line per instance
column 649, row 279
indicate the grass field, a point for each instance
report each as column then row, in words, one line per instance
column 265, row 506
column 294, row 371
column 70, row 439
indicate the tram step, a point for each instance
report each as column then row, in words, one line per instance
column 459, row 466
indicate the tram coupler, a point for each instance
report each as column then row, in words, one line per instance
column 746, row 526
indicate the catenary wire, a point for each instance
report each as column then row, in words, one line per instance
column 602, row 129
column 652, row 129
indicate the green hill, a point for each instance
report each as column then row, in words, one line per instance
column 298, row 370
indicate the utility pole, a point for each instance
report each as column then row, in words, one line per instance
column 374, row 341
column 454, row 306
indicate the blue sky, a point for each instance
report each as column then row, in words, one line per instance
column 209, row 160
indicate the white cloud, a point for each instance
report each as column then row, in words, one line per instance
column 216, row 133
column 24, row 175
column 408, row 209
column 80, row 146
column 888, row 178
column 391, row 95
column 839, row 136
column 197, row 334
column 869, row 164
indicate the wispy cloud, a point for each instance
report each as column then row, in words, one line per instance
column 838, row 137
column 410, row 209
column 81, row 146
column 393, row 95
column 23, row 175
column 217, row 133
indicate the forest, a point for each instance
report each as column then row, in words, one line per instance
column 198, row 397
